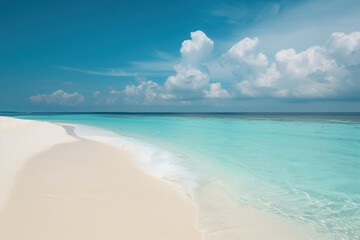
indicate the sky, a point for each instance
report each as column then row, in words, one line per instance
column 180, row 56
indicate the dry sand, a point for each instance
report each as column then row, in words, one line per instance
column 64, row 187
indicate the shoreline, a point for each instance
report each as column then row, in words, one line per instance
column 82, row 189
column 218, row 214
column 225, row 219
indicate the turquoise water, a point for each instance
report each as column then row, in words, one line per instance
column 302, row 167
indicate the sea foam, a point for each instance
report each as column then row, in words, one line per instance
column 154, row 160
column 218, row 213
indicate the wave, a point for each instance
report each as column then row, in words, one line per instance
column 154, row 160
column 219, row 215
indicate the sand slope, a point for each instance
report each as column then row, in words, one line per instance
column 83, row 189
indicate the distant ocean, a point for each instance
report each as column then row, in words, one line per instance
column 304, row 168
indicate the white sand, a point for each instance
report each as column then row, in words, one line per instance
column 19, row 141
column 68, row 188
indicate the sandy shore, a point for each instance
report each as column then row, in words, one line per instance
column 56, row 186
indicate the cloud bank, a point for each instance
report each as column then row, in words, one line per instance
column 319, row 72
column 59, row 97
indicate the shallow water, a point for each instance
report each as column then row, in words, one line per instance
column 301, row 167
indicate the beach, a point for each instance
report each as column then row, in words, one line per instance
column 55, row 185
column 211, row 177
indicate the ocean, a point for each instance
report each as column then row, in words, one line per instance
column 301, row 167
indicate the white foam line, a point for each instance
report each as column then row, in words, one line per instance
column 154, row 160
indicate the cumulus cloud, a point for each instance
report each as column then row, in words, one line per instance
column 187, row 78
column 304, row 63
column 318, row 72
column 268, row 78
column 147, row 92
column 250, row 69
column 192, row 78
column 191, row 73
column 216, row 91
column 345, row 48
column 245, row 52
column 59, row 97
column 310, row 73
column 197, row 49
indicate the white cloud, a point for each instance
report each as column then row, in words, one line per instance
column 106, row 99
column 329, row 71
column 216, row 91
column 317, row 72
column 345, row 48
column 310, row 73
column 246, row 89
column 197, row 50
column 304, row 63
column 191, row 80
column 268, row 78
column 187, row 78
column 191, row 73
column 297, row 25
column 245, row 52
column 59, row 97
column 115, row 92
column 147, row 92
column 192, row 76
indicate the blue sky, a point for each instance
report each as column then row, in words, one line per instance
column 180, row 55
